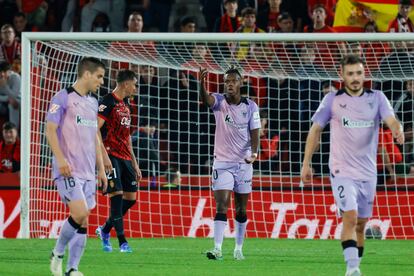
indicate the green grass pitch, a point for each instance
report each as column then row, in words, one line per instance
column 183, row 256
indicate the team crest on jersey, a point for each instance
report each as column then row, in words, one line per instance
column 54, row 108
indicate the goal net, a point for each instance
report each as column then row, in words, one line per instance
column 287, row 76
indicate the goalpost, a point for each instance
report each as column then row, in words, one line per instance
column 286, row 74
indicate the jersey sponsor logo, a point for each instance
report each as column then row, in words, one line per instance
column 229, row 120
column 348, row 123
column 125, row 121
column 85, row 122
column 54, row 108
column 102, row 108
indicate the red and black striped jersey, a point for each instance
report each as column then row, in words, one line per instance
column 116, row 130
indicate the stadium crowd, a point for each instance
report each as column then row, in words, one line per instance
column 172, row 130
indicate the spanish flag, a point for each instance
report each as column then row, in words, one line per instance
column 352, row 15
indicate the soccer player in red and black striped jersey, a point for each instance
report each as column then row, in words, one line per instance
column 114, row 120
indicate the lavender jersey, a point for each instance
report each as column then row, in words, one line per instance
column 232, row 142
column 76, row 117
column 354, row 131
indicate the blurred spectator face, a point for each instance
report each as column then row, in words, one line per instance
column 188, row 28
column 353, row 76
column 410, row 86
column 19, row 23
column 134, row 68
column 7, row 35
column 249, row 20
column 199, row 51
column 274, row 4
column 286, row 25
column 370, row 28
column 308, row 55
column 329, row 88
column 404, row 10
column 263, row 129
column 10, row 136
column 147, row 73
column 135, row 23
column 356, row 49
column 319, row 15
column 231, row 7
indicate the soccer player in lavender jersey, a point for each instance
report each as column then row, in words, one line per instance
column 235, row 149
column 72, row 133
column 355, row 114
column 114, row 121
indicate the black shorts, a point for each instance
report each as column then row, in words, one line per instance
column 122, row 177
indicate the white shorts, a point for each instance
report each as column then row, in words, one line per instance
column 73, row 188
column 354, row 195
column 231, row 176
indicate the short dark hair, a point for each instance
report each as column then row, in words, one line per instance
column 125, row 75
column 350, row 60
column 284, row 16
column 405, row 2
column 229, row 1
column 187, row 20
column 233, row 70
column 5, row 66
column 20, row 14
column 248, row 11
column 319, row 6
column 90, row 64
column 136, row 13
column 9, row 126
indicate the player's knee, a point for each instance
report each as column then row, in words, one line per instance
column 241, row 217
column 360, row 227
column 221, row 207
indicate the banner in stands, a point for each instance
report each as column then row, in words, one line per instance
column 352, row 15
column 189, row 213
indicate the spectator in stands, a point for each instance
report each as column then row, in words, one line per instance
column 318, row 21
column 402, row 23
column 229, row 22
column 10, row 47
column 327, row 86
column 285, row 23
column 212, row 11
column 135, row 22
column 329, row 6
column 146, row 143
column 114, row 9
column 371, row 27
column 173, row 177
column 20, row 25
column 404, row 109
column 7, row 10
column 10, row 92
column 10, row 149
column 101, row 23
column 158, row 14
column 268, row 147
column 398, row 63
column 241, row 50
column 267, row 19
column 36, row 11
column 188, row 24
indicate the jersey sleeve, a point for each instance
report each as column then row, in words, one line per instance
column 254, row 121
column 57, row 108
column 385, row 108
column 323, row 114
column 105, row 108
column 217, row 100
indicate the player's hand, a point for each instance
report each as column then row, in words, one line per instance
column 64, row 168
column 102, row 181
column 203, row 76
column 399, row 136
column 107, row 163
column 251, row 159
column 306, row 174
column 137, row 171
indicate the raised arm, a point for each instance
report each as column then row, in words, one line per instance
column 205, row 97
column 396, row 129
column 312, row 143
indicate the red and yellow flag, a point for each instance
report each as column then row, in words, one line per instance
column 352, row 15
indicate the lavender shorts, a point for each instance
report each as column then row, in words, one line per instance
column 232, row 176
column 73, row 188
column 354, row 195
